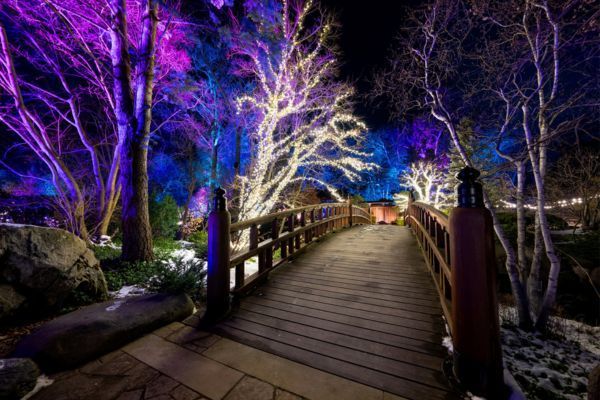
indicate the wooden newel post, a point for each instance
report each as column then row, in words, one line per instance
column 217, row 280
column 475, row 334
column 411, row 200
column 350, row 216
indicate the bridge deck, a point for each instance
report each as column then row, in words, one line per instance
column 360, row 305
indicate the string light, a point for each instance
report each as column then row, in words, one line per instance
column 304, row 120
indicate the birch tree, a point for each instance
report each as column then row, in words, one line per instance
column 427, row 58
column 511, row 52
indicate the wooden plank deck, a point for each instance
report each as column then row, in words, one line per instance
column 360, row 305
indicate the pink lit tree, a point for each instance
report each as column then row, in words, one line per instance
column 89, row 120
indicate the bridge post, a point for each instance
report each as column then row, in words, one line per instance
column 217, row 280
column 476, row 336
column 407, row 212
column 350, row 216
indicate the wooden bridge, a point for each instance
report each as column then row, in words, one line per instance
column 361, row 301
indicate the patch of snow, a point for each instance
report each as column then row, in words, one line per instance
column 128, row 291
column 447, row 343
column 185, row 256
column 115, row 305
column 473, row 397
column 106, row 241
column 185, row 244
column 559, row 365
column 42, row 382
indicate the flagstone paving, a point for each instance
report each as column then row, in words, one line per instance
column 181, row 362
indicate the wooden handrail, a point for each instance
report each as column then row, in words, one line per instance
column 459, row 252
column 289, row 231
column 431, row 229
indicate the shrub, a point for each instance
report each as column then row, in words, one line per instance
column 200, row 240
column 167, row 276
column 164, row 216
column 106, row 253
column 163, row 247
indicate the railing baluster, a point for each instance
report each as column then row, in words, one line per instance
column 239, row 275
column 254, row 244
column 274, row 236
column 302, row 224
column 290, row 226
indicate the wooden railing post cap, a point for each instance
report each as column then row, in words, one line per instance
column 220, row 201
column 469, row 191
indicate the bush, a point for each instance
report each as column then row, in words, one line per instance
column 164, row 216
column 166, row 276
column 163, row 247
column 200, row 240
column 106, row 253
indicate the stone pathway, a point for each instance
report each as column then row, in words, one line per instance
column 180, row 362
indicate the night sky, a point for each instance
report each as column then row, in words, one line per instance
column 367, row 30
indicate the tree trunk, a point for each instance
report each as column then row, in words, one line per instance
column 538, row 169
column 518, row 290
column 535, row 288
column 133, row 120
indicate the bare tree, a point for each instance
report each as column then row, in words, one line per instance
column 94, row 106
column 428, row 59
column 506, row 57
column 573, row 185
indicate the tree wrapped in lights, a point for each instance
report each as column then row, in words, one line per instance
column 429, row 182
column 304, row 123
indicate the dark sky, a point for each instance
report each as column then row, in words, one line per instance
column 367, row 30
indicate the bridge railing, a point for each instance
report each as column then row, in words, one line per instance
column 459, row 251
column 431, row 230
column 289, row 232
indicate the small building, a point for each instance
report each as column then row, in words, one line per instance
column 384, row 211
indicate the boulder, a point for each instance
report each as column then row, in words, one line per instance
column 10, row 300
column 46, row 264
column 18, row 376
column 91, row 331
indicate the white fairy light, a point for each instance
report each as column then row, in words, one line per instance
column 304, row 120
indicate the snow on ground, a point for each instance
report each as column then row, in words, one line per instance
column 547, row 368
column 106, row 241
column 127, row 291
column 42, row 382
column 185, row 257
column 555, row 367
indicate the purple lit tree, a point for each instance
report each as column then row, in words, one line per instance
column 94, row 106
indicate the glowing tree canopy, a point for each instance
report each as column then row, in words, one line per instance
column 429, row 181
column 304, row 121
column 69, row 119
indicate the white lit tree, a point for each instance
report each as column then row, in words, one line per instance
column 429, row 181
column 304, row 123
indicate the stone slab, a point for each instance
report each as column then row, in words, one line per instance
column 297, row 378
column 80, row 336
column 208, row 377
